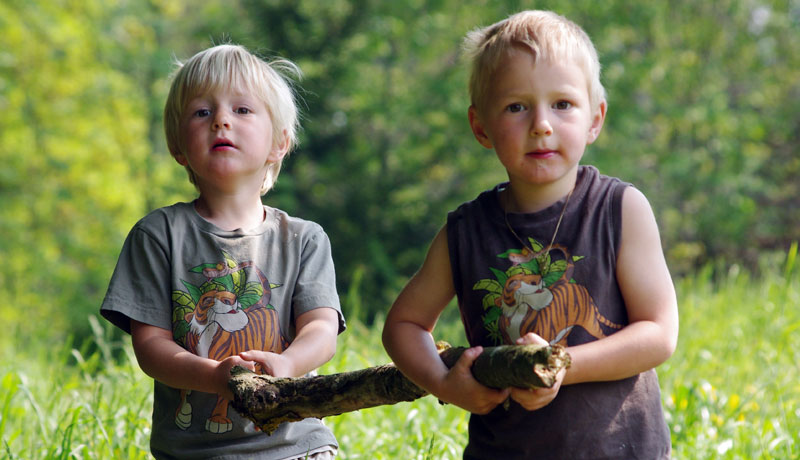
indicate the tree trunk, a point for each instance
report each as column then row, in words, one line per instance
column 270, row 401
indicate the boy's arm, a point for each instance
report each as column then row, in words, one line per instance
column 408, row 340
column 651, row 336
column 313, row 346
column 163, row 359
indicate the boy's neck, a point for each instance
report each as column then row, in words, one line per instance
column 527, row 198
column 231, row 212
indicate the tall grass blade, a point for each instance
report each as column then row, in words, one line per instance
column 9, row 387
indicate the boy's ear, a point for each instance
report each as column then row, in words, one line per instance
column 477, row 127
column 279, row 149
column 597, row 122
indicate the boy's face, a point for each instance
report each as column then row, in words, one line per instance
column 538, row 118
column 227, row 140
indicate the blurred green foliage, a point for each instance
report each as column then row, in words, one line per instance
column 702, row 117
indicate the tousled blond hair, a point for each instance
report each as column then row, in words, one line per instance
column 547, row 35
column 234, row 67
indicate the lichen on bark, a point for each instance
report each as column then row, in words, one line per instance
column 270, row 401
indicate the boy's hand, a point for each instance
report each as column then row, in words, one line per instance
column 461, row 388
column 272, row 364
column 224, row 373
column 532, row 399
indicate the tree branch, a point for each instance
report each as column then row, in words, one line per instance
column 270, row 401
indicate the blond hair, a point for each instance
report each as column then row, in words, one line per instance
column 547, row 35
column 234, row 67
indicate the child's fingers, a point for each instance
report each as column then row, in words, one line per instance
column 470, row 394
column 531, row 399
column 468, row 358
column 273, row 364
column 536, row 398
column 244, row 362
column 224, row 373
column 250, row 355
column 531, row 339
column 260, row 360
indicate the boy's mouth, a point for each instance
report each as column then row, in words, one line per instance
column 222, row 143
column 540, row 153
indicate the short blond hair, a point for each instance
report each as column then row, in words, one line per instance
column 547, row 35
column 231, row 66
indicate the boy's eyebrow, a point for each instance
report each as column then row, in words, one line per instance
column 565, row 90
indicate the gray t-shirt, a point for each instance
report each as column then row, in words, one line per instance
column 220, row 293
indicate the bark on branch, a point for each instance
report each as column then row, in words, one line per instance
column 270, row 401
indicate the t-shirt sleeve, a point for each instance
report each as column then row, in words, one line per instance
column 139, row 287
column 316, row 281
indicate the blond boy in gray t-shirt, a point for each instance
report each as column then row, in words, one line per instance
column 224, row 280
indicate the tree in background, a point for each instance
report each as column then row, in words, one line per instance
column 69, row 149
column 78, row 88
column 703, row 116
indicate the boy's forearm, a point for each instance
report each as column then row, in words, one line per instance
column 310, row 352
column 169, row 363
column 639, row 347
column 315, row 343
column 413, row 351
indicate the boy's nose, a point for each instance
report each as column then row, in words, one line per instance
column 221, row 121
column 541, row 127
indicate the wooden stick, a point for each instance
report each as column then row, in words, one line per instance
column 270, row 401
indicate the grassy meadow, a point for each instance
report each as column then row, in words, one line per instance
column 731, row 391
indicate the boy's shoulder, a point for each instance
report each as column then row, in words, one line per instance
column 166, row 217
column 294, row 224
column 592, row 184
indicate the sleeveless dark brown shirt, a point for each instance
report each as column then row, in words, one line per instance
column 569, row 296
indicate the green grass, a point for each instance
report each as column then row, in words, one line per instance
column 731, row 391
column 57, row 402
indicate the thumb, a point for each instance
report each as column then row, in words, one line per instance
column 468, row 358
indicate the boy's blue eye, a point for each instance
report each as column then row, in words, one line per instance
column 562, row 105
column 243, row 110
column 202, row 113
column 514, row 108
